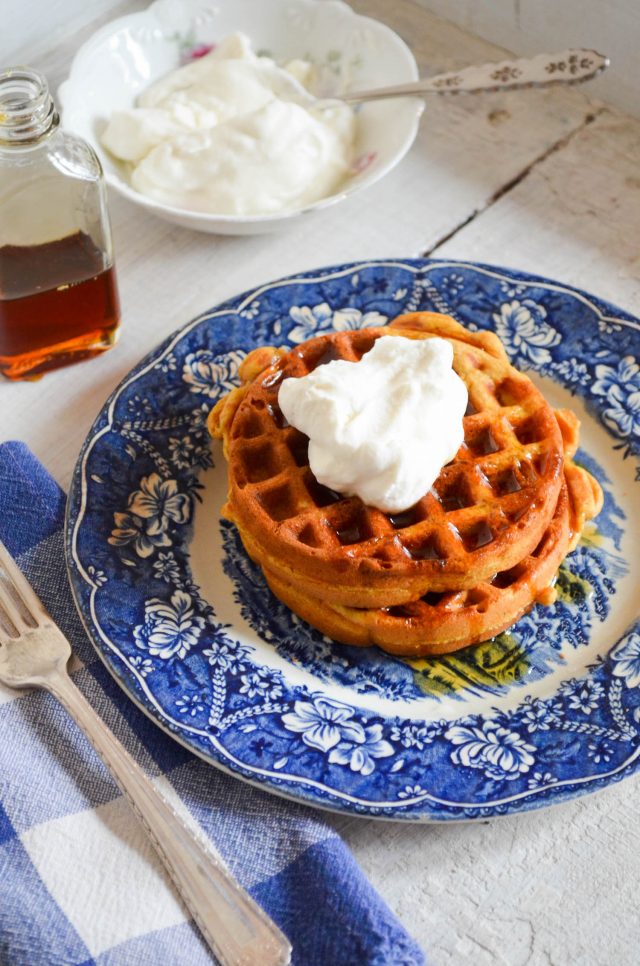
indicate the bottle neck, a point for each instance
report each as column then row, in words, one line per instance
column 27, row 111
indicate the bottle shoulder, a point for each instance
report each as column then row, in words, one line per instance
column 74, row 156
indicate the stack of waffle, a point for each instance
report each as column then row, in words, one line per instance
column 460, row 566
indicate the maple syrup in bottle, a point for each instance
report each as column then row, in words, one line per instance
column 58, row 294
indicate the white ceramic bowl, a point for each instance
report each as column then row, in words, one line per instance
column 351, row 52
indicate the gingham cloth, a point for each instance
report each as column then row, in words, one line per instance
column 78, row 882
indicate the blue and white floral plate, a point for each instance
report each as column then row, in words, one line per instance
column 186, row 624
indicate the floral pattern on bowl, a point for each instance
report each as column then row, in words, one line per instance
column 184, row 620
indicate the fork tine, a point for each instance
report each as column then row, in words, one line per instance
column 30, row 600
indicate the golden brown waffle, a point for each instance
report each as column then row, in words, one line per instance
column 488, row 509
column 439, row 623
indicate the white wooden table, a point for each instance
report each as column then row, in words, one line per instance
column 548, row 182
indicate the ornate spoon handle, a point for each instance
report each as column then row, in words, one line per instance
column 566, row 67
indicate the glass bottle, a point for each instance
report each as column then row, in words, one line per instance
column 58, row 295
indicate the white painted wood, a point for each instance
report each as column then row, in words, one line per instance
column 538, row 26
column 551, row 888
column 33, row 25
column 575, row 216
column 556, row 887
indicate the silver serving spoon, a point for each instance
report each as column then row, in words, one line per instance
column 566, row 67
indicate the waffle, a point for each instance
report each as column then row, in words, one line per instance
column 487, row 511
column 439, row 623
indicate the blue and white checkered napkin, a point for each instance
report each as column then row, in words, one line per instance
column 78, row 882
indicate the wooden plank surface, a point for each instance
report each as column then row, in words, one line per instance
column 551, row 888
column 547, row 182
column 575, row 216
column 531, row 26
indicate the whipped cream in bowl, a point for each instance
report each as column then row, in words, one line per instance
column 233, row 133
column 242, row 139
column 381, row 428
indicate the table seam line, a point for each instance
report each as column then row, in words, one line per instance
column 596, row 112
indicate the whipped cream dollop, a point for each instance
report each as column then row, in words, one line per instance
column 234, row 133
column 381, row 428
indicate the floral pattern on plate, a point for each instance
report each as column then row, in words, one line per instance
column 549, row 711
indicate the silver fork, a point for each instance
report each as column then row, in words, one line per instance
column 34, row 654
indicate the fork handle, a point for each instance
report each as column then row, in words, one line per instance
column 234, row 926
